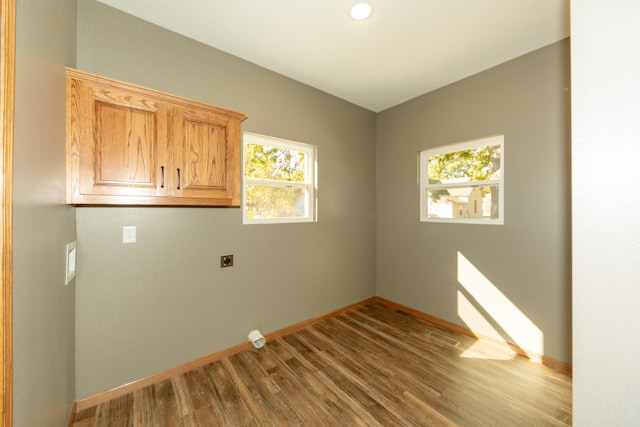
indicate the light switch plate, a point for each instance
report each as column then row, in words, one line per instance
column 71, row 263
column 129, row 234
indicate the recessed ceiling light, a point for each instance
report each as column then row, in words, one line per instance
column 361, row 10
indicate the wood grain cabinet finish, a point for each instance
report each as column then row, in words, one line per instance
column 128, row 145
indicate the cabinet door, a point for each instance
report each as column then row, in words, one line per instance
column 206, row 156
column 117, row 144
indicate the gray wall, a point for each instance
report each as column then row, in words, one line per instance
column 606, row 255
column 43, row 320
column 529, row 257
column 160, row 302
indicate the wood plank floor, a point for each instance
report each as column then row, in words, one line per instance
column 371, row 366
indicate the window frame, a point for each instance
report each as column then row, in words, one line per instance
column 425, row 186
column 309, row 183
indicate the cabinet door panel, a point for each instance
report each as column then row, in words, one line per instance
column 205, row 166
column 125, row 144
column 121, row 153
column 206, row 150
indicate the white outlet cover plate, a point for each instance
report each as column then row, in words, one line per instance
column 129, row 234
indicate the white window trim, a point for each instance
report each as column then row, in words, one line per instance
column 461, row 146
column 309, row 184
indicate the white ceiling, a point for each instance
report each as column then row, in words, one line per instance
column 405, row 49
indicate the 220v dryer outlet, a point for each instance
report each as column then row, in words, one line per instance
column 226, row 261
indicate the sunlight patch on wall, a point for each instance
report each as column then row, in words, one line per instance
column 493, row 314
column 471, row 316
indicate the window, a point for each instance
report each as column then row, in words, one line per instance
column 464, row 182
column 279, row 180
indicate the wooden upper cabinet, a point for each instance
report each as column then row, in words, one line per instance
column 128, row 145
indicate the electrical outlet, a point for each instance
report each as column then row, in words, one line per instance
column 129, row 234
column 226, row 261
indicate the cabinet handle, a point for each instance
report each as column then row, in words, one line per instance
column 162, row 181
column 178, row 178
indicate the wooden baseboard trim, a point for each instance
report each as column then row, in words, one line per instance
column 74, row 411
column 562, row 367
column 107, row 395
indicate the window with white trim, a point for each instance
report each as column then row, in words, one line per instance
column 279, row 180
column 463, row 182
